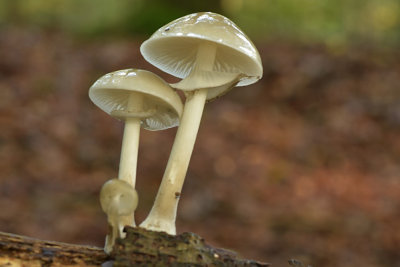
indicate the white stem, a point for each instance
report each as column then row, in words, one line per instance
column 130, row 148
column 116, row 227
column 129, row 151
column 163, row 213
column 110, row 238
column 130, row 142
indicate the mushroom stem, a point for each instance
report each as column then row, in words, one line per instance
column 130, row 147
column 118, row 199
column 130, row 142
column 163, row 213
column 116, row 229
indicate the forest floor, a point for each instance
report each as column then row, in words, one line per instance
column 303, row 164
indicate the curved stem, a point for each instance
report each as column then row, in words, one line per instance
column 163, row 213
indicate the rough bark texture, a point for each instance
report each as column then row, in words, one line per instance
column 144, row 248
column 140, row 248
column 24, row 251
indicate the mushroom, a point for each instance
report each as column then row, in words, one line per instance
column 140, row 98
column 118, row 199
column 212, row 55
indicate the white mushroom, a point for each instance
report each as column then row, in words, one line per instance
column 140, row 98
column 118, row 199
column 212, row 55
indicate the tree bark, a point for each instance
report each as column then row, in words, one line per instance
column 21, row 251
column 139, row 248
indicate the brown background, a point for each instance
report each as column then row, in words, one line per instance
column 304, row 164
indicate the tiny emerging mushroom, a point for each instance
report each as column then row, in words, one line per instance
column 118, row 199
column 139, row 98
column 212, row 55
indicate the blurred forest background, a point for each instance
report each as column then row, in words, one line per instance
column 303, row 164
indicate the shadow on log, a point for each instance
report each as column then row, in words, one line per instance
column 139, row 248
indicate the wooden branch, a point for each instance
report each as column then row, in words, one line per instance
column 139, row 248
column 18, row 250
column 144, row 248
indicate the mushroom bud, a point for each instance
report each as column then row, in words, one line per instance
column 140, row 98
column 118, row 199
column 212, row 55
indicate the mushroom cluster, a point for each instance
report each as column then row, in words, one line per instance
column 139, row 98
column 211, row 55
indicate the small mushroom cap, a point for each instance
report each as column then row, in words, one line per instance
column 161, row 107
column 173, row 47
column 118, row 198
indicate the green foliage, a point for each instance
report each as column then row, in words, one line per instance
column 339, row 21
column 332, row 22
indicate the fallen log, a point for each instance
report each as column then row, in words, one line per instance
column 139, row 248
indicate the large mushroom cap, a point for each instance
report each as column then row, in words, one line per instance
column 174, row 46
column 162, row 104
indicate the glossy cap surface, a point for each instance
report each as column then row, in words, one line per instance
column 173, row 47
column 111, row 93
